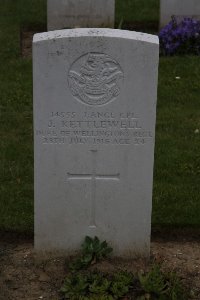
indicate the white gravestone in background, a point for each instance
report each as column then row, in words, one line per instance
column 94, row 121
column 80, row 13
column 178, row 8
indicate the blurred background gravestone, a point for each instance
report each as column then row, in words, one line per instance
column 179, row 9
column 80, row 13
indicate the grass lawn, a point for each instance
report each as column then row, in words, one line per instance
column 139, row 11
column 176, row 197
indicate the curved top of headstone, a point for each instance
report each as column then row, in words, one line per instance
column 90, row 32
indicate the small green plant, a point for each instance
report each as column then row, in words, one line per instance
column 121, row 283
column 92, row 251
column 99, row 284
column 160, row 286
column 80, row 263
column 125, row 277
column 175, row 291
column 97, row 249
column 100, row 297
column 75, row 287
column 154, row 282
column 119, row 290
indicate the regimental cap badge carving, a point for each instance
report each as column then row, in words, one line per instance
column 95, row 79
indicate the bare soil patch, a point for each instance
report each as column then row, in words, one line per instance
column 26, row 38
column 22, row 276
column 26, row 43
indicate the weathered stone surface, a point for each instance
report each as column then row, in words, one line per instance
column 178, row 8
column 80, row 13
column 95, row 94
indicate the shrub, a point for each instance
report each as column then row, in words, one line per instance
column 180, row 37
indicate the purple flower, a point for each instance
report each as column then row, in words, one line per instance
column 180, row 38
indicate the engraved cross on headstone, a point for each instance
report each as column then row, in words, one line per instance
column 94, row 177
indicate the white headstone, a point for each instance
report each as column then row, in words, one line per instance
column 178, row 8
column 80, row 13
column 95, row 93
